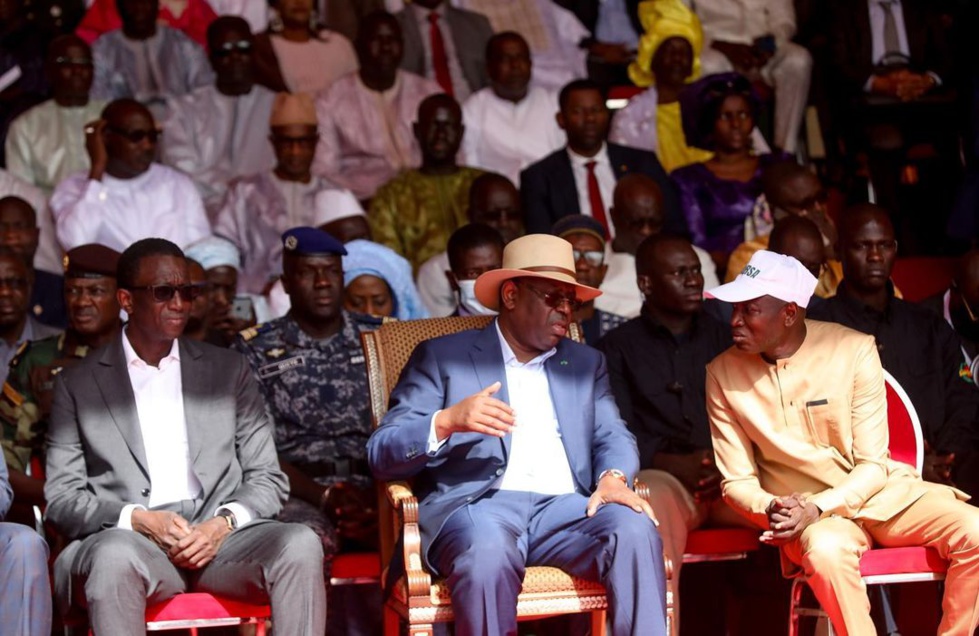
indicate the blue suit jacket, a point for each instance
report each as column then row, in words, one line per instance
column 444, row 371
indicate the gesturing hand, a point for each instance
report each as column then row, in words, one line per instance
column 95, row 146
column 611, row 490
column 163, row 528
column 478, row 413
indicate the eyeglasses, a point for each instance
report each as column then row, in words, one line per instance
column 165, row 293
column 62, row 60
column 226, row 49
column 137, row 136
column 306, row 141
column 554, row 299
column 594, row 258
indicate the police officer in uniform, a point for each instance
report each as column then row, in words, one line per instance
column 93, row 320
column 310, row 366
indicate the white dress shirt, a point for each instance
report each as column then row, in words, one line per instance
column 158, row 392
column 506, row 137
column 434, row 288
column 538, row 461
column 161, row 202
column 606, row 181
column 877, row 15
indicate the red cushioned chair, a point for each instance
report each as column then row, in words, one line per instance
column 357, row 568
column 195, row 609
column 720, row 544
column 919, row 277
column 880, row 566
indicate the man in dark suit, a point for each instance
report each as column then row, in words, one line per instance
column 446, row 44
column 893, row 68
column 162, row 470
column 580, row 178
column 519, row 455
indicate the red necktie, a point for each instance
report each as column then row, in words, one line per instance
column 440, row 62
column 595, row 198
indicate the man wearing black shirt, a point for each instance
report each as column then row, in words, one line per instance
column 917, row 347
column 656, row 366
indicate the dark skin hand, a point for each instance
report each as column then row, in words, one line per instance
column 744, row 57
column 937, row 467
column 163, row 528
column 95, row 146
column 696, row 471
column 787, row 518
column 613, row 490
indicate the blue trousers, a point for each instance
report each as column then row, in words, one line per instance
column 485, row 547
column 25, row 592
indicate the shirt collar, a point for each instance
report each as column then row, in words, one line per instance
column 855, row 305
column 600, row 158
column 133, row 359
column 510, row 358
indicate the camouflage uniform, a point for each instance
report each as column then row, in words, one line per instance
column 27, row 395
column 316, row 392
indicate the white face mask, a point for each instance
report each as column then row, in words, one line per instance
column 467, row 299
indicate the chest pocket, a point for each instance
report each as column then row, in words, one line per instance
column 823, row 422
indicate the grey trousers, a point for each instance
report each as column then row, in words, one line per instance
column 25, row 594
column 116, row 573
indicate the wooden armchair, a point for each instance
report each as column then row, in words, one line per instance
column 416, row 597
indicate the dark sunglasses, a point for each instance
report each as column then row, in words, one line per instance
column 554, row 299
column 228, row 48
column 62, row 60
column 165, row 293
column 137, row 136
column 595, row 258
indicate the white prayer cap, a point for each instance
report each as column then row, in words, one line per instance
column 769, row 274
column 214, row 251
column 331, row 205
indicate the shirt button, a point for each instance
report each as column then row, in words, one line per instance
column 469, row 498
column 499, row 471
column 145, row 492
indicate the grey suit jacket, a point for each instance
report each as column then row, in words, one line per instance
column 470, row 33
column 96, row 462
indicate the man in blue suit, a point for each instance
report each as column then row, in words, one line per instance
column 519, row 455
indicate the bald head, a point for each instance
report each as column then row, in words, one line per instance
column 637, row 211
column 130, row 137
column 494, row 201
column 799, row 238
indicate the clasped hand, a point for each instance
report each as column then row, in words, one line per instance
column 187, row 546
column 787, row 518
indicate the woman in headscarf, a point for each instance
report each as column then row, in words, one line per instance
column 296, row 54
column 718, row 195
column 377, row 280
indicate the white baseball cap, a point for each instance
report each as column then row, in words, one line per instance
column 769, row 274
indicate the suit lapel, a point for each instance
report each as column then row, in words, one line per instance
column 564, row 393
column 563, row 178
column 487, row 359
column 193, row 377
column 620, row 167
column 112, row 378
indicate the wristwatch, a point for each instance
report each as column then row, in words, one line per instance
column 229, row 518
column 614, row 472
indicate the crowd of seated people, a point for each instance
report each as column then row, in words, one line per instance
column 206, row 203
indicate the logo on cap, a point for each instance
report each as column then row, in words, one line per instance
column 750, row 272
column 291, row 243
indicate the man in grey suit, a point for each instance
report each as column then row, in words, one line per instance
column 446, row 44
column 25, row 595
column 162, row 470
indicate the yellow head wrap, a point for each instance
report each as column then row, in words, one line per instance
column 662, row 20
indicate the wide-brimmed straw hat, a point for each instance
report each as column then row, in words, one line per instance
column 533, row 256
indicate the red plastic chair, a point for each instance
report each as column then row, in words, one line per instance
column 919, row 277
column 881, row 566
column 196, row 609
column 357, row 568
column 720, row 544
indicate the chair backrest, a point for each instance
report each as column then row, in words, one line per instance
column 919, row 277
column 903, row 425
column 387, row 349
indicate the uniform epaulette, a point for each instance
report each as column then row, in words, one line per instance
column 19, row 355
column 251, row 332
